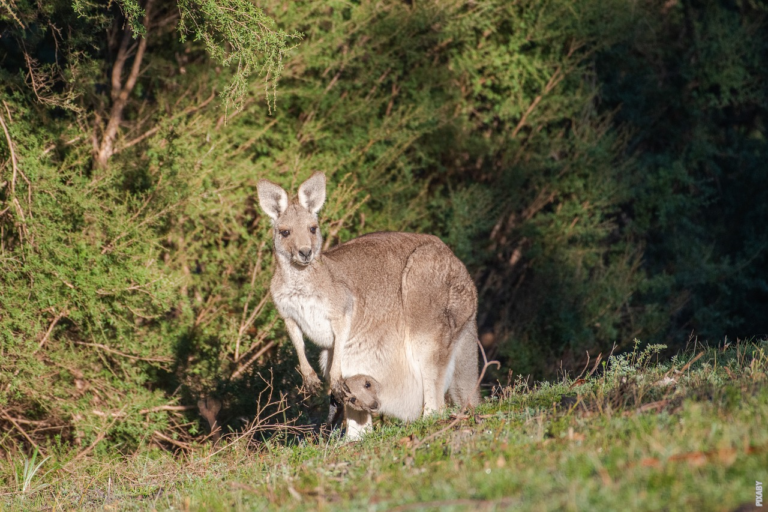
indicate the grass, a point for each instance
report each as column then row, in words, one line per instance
column 629, row 433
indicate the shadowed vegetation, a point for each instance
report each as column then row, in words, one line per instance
column 599, row 166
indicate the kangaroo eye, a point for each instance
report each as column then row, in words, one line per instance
column 367, row 384
column 313, row 229
column 284, row 233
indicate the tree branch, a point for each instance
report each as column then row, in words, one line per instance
column 56, row 319
column 16, row 172
column 121, row 92
column 123, row 354
column 251, row 360
column 152, row 131
column 23, row 432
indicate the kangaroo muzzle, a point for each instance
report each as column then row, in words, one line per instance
column 304, row 255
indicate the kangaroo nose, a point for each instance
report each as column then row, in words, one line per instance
column 305, row 253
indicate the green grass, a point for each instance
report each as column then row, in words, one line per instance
column 636, row 434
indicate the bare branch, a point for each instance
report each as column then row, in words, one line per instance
column 99, row 438
column 246, row 323
column 123, row 354
column 152, row 131
column 250, row 361
column 261, row 337
column 555, row 79
column 56, row 319
column 121, row 92
column 16, row 172
column 117, row 69
column 23, row 432
column 167, row 408
column 163, row 437
column 14, row 161
column 13, row 14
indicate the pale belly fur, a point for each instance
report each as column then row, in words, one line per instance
column 402, row 394
column 312, row 316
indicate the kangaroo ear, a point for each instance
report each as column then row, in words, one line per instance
column 272, row 199
column 312, row 192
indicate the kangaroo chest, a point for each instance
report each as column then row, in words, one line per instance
column 311, row 311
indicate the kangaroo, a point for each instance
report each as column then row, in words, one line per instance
column 398, row 307
column 361, row 392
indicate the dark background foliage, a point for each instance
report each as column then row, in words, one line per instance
column 599, row 166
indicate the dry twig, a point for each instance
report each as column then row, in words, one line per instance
column 7, row 6
column 555, row 79
column 266, row 409
column 163, row 437
column 99, row 438
column 167, row 408
column 251, row 360
column 123, row 354
column 22, row 431
column 246, row 319
column 56, row 319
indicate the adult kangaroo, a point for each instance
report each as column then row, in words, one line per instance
column 399, row 307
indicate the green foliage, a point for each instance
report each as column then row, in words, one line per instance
column 600, row 443
column 27, row 473
column 697, row 111
column 589, row 163
column 631, row 363
column 236, row 31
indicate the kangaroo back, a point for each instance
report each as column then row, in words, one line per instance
column 391, row 306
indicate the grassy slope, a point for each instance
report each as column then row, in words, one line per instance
column 615, row 441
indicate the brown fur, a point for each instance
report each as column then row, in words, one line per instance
column 361, row 392
column 398, row 307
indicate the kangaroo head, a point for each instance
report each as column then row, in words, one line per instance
column 361, row 392
column 296, row 233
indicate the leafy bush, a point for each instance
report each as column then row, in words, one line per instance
column 591, row 163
